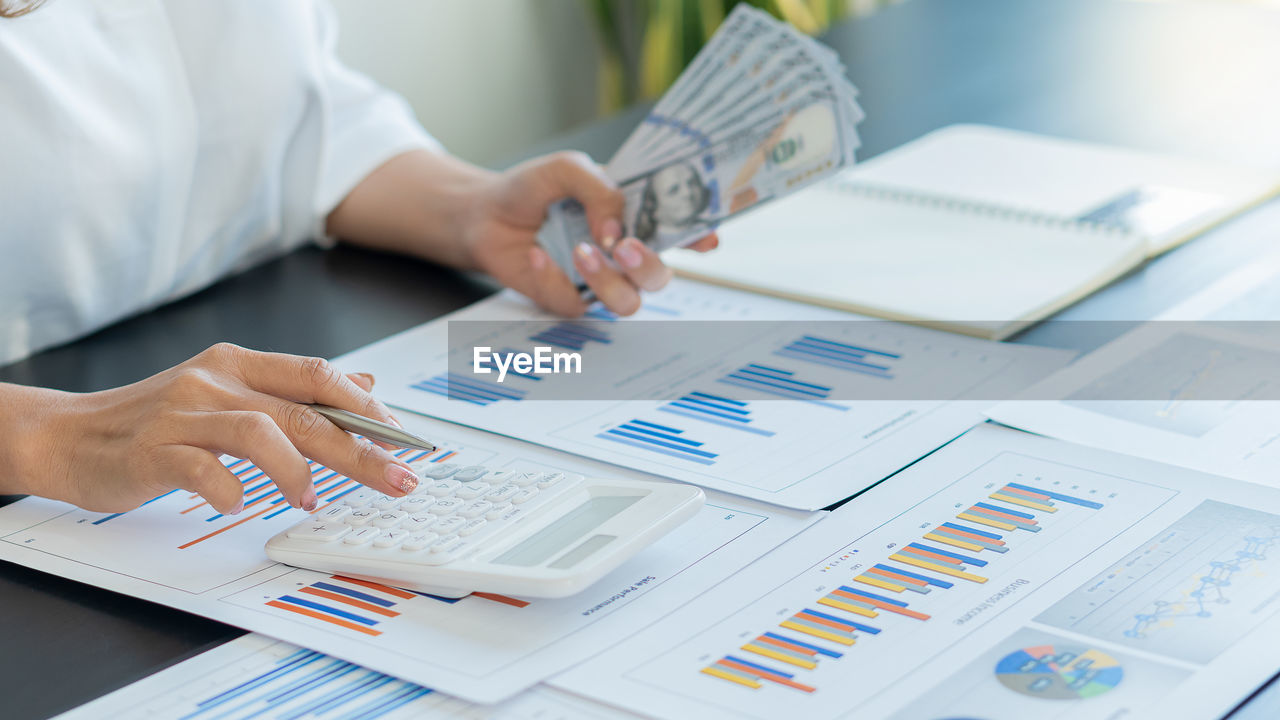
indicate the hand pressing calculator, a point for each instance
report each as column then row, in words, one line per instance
column 472, row 528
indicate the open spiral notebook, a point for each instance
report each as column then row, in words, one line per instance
column 974, row 229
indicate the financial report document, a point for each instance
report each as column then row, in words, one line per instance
column 1195, row 388
column 764, row 409
column 1006, row 576
column 177, row 551
column 256, row 677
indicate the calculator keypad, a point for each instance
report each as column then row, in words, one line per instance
column 454, row 507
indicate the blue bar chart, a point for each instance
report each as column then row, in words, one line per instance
column 717, row 410
column 572, row 335
column 469, row 389
column 781, row 383
column 844, row 356
column 661, row 439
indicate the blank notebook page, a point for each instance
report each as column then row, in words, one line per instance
column 971, row 268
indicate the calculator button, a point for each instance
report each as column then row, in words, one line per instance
column 360, row 536
column 359, row 497
column 319, row 531
column 418, row 540
column 389, row 519
column 436, row 471
column 475, row 509
column 549, row 479
column 445, row 506
column 390, row 538
column 499, row 510
column 448, row 525
column 444, row 487
column 524, row 479
column 445, row 544
column 472, row 527
column 524, row 496
column 386, row 502
column 473, row 490
column 418, row 523
column 360, row 516
column 332, row 512
column 502, row 494
column 470, row 473
column 415, row 505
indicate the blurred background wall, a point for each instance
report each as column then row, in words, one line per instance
column 490, row 77
column 486, row 77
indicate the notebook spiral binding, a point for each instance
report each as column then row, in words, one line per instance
column 952, row 203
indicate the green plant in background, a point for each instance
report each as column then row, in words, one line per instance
column 646, row 43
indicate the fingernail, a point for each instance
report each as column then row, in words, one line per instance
column 628, row 254
column 367, row 377
column 309, row 499
column 588, row 257
column 395, row 421
column 611, row 229
column 402, row 478
column 239, row 508
column 537, row 258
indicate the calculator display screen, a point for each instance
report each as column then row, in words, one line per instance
column 569, row 529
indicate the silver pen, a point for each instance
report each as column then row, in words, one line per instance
column 372, row 429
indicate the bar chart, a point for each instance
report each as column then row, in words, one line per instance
column 349, row 603
column 841, row 355
column 910, row 572
column 257, row 678
column 717, row 410
column 472, row 390
column 660, row 439
column 781, row 383
column 570, row 335
column 199, row 558
column 485, row 633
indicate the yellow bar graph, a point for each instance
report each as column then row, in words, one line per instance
column 947, row 540
column 937, row 568
column 833, row 637
column 984, row 521
column 717, row 672
column 879, row 583
column 1024, row 503
column 770, row 653
column 856, row 610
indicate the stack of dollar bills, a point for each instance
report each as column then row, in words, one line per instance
column 762, row 111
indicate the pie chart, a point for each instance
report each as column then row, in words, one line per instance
column 1059, row 672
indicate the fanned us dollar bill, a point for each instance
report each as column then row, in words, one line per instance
column 762, row 111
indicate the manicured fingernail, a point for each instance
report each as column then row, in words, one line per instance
column 537, row 258
column 588, row 257
column 402, row 478
column 611, row 230
column 394, row 421
column 366, row 376
column 628, row 253
column 239, row 508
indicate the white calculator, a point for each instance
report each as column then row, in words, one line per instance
column 475, row 529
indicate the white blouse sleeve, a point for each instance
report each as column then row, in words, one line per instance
column 365, row 125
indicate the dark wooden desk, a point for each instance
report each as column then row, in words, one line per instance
column 1197, row 79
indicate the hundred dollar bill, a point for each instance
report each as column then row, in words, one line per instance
column 685, row 198
column 760, row 112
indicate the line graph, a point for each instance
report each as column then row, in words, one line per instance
column 1188, row 592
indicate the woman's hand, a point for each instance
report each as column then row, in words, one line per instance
column 435, row 206
column 501, row 236
column 111, row 451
